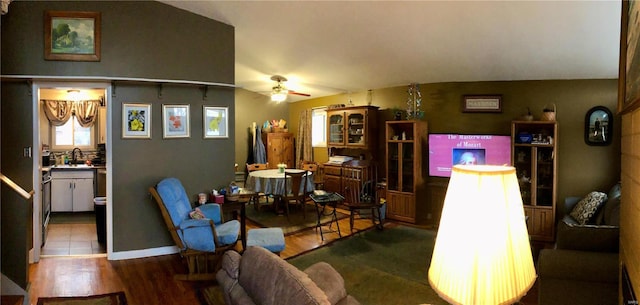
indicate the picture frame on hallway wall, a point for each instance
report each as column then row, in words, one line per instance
column 136, row 121
column 175, row 121
column 72, row 36
column 629, row 67
column 215, row 122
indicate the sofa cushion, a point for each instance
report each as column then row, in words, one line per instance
column 231, row 263
column 587, row 207
column 329, row 280
column 270, row 280
column 611, row 213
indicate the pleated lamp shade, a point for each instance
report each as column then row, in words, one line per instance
column 482, row 253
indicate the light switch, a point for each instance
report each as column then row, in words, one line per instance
column 26, row 152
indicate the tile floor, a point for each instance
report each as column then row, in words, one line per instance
column 71, row 239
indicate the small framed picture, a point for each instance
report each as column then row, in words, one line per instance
column 216, row 122
column 175, row 121
column 136, row 121
column 597, row 126
column 482, row 103
column 73, row 36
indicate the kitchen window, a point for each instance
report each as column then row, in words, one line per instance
column 71, row 135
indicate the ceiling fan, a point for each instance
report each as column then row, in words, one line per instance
column 279, row 91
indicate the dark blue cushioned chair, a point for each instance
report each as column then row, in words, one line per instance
column 201, row 241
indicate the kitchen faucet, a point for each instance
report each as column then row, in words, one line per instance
column 74, row 156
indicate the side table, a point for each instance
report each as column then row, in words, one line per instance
column 237, row 210
column 321, row 202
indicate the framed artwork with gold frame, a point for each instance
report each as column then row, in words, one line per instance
column 629, row 67
column 72, row 36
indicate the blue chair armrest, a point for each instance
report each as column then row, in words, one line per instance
column 212, row 211
column 192, row 223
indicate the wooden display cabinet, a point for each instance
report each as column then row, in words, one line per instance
column 535, row 157
column 405, row 172
column 279, row 147
column 352, row 127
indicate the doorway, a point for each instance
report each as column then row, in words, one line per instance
column 76, row 157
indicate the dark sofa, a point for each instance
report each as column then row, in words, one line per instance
column 583, row 266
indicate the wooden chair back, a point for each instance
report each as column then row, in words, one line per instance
column 292, row 191
column 312, row 167
column 257, row 166
column 360, row 184
column 318, row 173
column 173, row 230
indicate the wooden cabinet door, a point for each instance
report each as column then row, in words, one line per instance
column 540, row 223
column 83, row 195
column 280, row 149
column 401, row 206
column 335, row 128
column 356, row 128
column 333, row 184
column 333, row 179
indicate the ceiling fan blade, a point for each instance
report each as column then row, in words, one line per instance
column 298, row 93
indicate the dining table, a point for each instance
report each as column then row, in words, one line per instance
column 272, row 181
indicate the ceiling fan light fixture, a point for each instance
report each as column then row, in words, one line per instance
column 278, row 96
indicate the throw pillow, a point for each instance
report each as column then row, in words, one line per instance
column 197, row 214
column 587, row 207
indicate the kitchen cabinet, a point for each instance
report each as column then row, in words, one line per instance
column 72, row 190
column 333, row 178
column 534, row 155
column 352, row 128
column 337, row 176
column 406, row 174
column 279, row 147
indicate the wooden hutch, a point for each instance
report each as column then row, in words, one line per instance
column 535, row 157
column 351, row 131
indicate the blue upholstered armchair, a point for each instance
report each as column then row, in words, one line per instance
column 201, row 241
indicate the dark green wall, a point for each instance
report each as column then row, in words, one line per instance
column 142, row 39
column 253, row 107
column 581, row 168
column 16, row 212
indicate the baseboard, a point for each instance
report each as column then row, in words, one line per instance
column 114, row 256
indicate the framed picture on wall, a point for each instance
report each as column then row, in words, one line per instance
column 175, row 121
column 215, row 121
column 73, row 36
column 482, row 103
column 136, row 121
column 629, row 67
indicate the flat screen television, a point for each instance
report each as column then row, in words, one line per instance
column 446, row 150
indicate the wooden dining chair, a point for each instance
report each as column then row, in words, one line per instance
column 362, row 193
column 317, row 171
column 292, row 193
column 256, row 199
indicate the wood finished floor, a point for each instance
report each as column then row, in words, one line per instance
column 149, row 281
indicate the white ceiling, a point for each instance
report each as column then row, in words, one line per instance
column 332, row 47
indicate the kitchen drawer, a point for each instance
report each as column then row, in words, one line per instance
column 72, row 174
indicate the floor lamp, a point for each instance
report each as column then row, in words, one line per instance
column 482, row 253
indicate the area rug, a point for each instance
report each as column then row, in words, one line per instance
column 379, row 267
column 295, row 223
column 382, row 267
column 116, row 298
